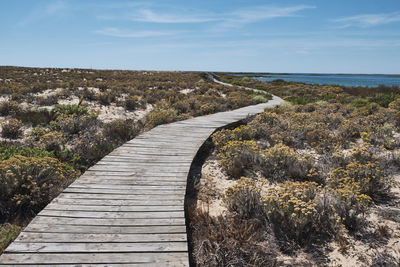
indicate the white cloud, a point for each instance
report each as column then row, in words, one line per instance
column 227, row 19
column 124, row 33
column 147, row 15
column 368, row 20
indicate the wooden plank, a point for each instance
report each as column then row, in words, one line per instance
column 99, row 237
column 105, row 207
column 115, row 222
column 112, row 214
column 119, row 202
column 101, row 229
column 22, row 247
column 128, row 187
column 120, row 197
column 169, row 259
column 120, row 191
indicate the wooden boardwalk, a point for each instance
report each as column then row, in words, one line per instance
column 128, row 209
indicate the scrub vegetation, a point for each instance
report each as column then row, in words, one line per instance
column 313, row 182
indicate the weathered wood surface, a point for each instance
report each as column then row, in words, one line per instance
column 128, row 209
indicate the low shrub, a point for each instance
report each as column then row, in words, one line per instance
column 28, row 184
column 70, row 110
column 35, row 116
column 119, row 131
column 395, row 104
column 292, row 209
column 72, row 124
column 52, row 141
column 47, row 100
column 238, row 156
column 106, row 98
column 282, row 163
column 9, row 151
column 91, row 147
column 231, row 241
column 160, row 116
column 244, row 199
column 367, row 177
column 11, row 129
column 9, row 108
column 132, row 103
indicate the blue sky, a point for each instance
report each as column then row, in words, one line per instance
column 321, row 36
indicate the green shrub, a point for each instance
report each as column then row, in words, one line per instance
column 11, row 129
column 359, row 102
column 160, row 116
column 70, row 110
column 9, row 151
column 27, row 184
column 384, row 99
column 8, row 233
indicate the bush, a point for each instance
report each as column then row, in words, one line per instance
column 231, row 241
column 244, row 199
column 132, row 103
column 238, row 156
column 91, row 147
column 292, row 209
column 7, row 151
column 160, row 116
column 28, row 184
column 72, row 124
column 9, row 108
column 368, row 178
column 282, row 162
column 106, row 98
column 11, row 129
column 8, row 233
column 120, row 131
column 395, row 104
column 52, row 141
column 70, row 110
column 35, row 117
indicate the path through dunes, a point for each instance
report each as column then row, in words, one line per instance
column 128, row 209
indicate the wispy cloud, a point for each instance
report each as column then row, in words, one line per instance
column 228, row 19
column 260, row 13
column 368, row 20
column 124, row 33
column 147, row 15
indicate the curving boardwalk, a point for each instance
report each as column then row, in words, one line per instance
column 128, row 209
